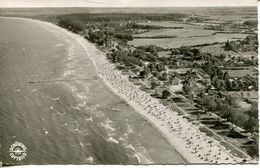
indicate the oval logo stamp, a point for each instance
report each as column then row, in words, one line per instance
column 17, row 151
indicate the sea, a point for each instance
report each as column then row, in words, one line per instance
column 52, row 101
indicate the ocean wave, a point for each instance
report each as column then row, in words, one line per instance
column 129, row 129
column 60, row 44
column 45, row 131
column 130, row 147
column 17, row 90
column 77, row 108
column 82, row 96
column 107, row 125
column 90, row 159
column 112, row 140
column 56, row 111
column 142, row 158
column 53, row 98
column 141, row 154
column 89, row 119
column 67, row 73
column 93, row 108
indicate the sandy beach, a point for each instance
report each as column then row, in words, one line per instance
column 193, row 145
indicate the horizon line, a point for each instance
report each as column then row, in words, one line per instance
column 125, row 6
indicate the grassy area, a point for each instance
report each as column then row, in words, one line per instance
column 175, row 29
column 189, row 41
column 250, row 95
column 218, row 49
column 170, row 24
column 177, row 33
column 241, row 73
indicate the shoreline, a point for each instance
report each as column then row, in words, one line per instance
column 177, row 130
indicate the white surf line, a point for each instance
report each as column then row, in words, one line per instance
column 123, row 88
column 89, row 119
column 45, row 131
column 17, row 90
column 90, row 159
column 86, row 144
column 53, row 98
column 76, row 129
column 56, row 111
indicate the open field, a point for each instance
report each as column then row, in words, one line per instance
column 242, row 105
column 235, row 17
column 218, row 49
column 178, row 42
column 177, row 32
column 174, row 29
column 243, row 72
column 170, row 24
column 251, row 95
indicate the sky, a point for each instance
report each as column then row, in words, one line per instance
column 124, row 3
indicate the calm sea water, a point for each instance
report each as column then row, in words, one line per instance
column 62, row 118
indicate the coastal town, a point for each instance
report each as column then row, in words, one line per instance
column 212, row 84
column 123, row 85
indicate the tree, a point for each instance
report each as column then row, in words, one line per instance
column 250, row 23
column 159, row 67
column 212, row 105
column 230, row 100
column 235, row 85
column 151, row 67
column 152, row 49
column 251, row 124
column 222, row 57
column 164, row 76
column 115, row 56
column 144, row 72
column 188, row 89
column 156, row 74
column 154, row 84
column 226, row 111
column 196, row 54
column 231, row 45
column 239, row 118
column 165, row 94
column 253, row 112
column 253, row 150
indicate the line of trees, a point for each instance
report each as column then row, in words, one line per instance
column 114, row 17
column 225, row 107
column 222, row 80
column 250, row 43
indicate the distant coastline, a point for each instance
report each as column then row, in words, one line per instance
column 67, row 10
